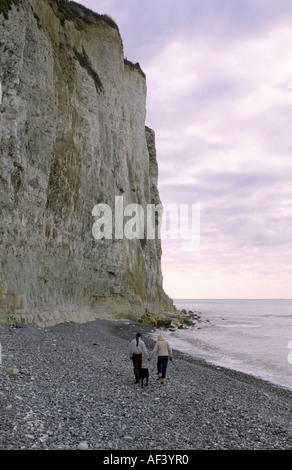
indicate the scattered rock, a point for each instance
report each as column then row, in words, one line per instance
column 98, row 406
column 155, row 319
column 13, row 371
column 172, row 321
column 82, row 446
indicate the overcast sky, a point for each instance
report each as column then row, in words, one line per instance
column 219, row 81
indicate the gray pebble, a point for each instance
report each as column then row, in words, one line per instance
column 82, row 446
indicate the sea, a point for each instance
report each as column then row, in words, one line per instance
column 251, row 336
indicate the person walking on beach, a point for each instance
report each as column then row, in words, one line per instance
column 137, row 349
column 164, row 353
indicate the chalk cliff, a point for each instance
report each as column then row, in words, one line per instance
column 73, row 135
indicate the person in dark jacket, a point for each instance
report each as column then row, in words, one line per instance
column 137, row 349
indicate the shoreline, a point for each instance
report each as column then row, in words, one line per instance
column 185, row 356
column 74, row 382
column 222, row 365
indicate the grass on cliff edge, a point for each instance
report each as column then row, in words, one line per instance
column 73, row 10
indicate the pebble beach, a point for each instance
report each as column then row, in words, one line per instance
column 71, row 386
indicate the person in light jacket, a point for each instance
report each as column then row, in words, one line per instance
column 164, row 353
column 137, row 349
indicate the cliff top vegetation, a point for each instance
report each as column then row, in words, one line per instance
column 73, row 10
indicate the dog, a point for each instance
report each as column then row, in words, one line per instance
column 144, row 374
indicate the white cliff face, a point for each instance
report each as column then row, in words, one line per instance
column 72, row 120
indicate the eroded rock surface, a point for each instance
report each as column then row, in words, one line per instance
column 73, row 135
